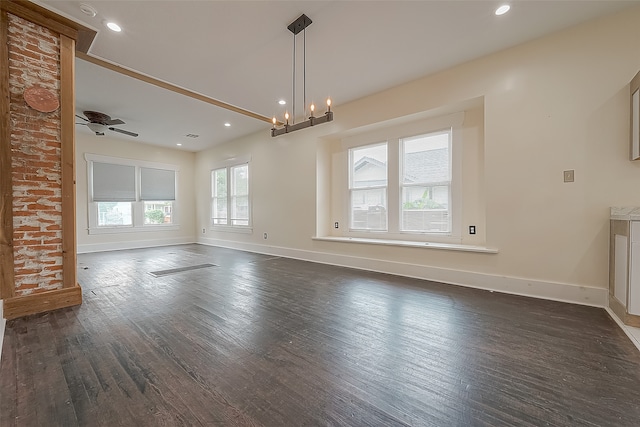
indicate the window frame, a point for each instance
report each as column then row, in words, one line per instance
column 137, row 206
column 393, row 136
column 229, row 166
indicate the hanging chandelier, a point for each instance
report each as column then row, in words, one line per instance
column 297, row 26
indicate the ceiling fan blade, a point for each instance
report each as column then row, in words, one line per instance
column 126, row 132
column 114, row 122
column 80, row 117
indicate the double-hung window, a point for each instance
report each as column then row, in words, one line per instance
column 368, row 187
column 230, row 201
column 130, row 195
column 426, row 183
column 402, row 186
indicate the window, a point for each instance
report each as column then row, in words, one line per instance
column 230, row 202
column 157, row 191
column 423, row 182
column 129, row 195
column 426, row 183
column 368, row 187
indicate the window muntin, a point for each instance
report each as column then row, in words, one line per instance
column 426, row 183
column 230, row 199
column 368, row 181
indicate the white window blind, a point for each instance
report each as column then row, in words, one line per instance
column 157, row 184
column 113, row 183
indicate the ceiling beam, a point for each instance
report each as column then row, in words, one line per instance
column 168, row 86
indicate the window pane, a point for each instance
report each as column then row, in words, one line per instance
column 369, row 209
column 219, row 211
column 113, row 183
column 114, row 214
column 240, row 180
column 159, row 212
column 369, row 166
column 240, row 210
column 157, row 184
column 426, row 159
column 425, row 209
column 219, row 183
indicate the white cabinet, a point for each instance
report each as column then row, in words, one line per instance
column 624, row 265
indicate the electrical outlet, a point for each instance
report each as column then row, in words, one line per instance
column 204, row 231
column 472, row 229
column 568, row 175
column 335, row 225
column 265, row 236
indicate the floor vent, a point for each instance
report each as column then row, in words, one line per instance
column 161, row 273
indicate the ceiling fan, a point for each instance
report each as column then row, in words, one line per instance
column 99, row 122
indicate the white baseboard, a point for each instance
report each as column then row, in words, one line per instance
column 134, row 244
column 564, row 292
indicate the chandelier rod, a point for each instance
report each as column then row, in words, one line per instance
column 293, row 113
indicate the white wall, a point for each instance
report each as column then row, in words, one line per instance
column 560, row 102
column 106, row 146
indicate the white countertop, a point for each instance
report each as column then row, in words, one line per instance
column 629, row 213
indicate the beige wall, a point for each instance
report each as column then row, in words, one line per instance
column 106, row 146
column 560, row 102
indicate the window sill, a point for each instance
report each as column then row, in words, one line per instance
column 118, row 230
column 410, row 244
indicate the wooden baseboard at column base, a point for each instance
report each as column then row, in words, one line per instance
column 621, row 312
column 39, row 303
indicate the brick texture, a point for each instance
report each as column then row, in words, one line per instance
column 34, row 60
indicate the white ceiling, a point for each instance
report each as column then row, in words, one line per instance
column 240, row 52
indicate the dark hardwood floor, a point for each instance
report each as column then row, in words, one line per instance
column 260, row 340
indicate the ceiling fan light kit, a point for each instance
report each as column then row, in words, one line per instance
column 297, row 26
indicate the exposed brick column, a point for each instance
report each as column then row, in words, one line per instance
column 34, row 60
column 37, row 160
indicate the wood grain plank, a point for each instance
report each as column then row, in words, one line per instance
column 68, row 161
column 264, row 340
column 6, row 190
column 44, row 301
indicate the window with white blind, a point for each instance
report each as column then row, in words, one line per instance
column 230, row 199
column 130, row 195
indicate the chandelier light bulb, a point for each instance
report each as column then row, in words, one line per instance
column 274, row 122
column 312, row 108
column 286, row 117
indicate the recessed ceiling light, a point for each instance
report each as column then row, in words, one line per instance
column 114, row 27
column 502, row 9
column 179, row 145
column 227, row 124
column 282, row 102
